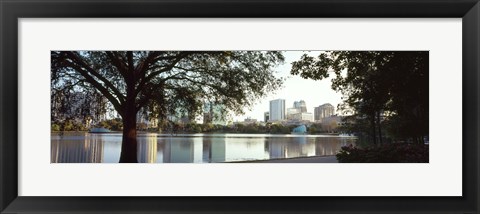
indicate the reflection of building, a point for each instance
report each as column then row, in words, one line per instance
column 182, row 150
column 291, row 147
column 233, row 149
column 213, row 150
column 277, row 110
column 323, row 111
column 330, row 146
column 66, row 150
column 147, row 151
column 253, row 149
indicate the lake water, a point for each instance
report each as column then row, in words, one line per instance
column 193, row 148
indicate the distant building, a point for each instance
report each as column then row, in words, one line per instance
column 300, row 105
column 291, row 112
column 180, row 116
column 266, row 116
column 277, row 110
column 303, row 117
column 299, row 112
column 323, row 111
column 83, row 108
column 250, row 120
column 214, row 113
column 334, row 119
column 144, row 119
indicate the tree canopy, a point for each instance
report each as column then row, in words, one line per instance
column 163, row 82
column 381, row 87
column 173, row 79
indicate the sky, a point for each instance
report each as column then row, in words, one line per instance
column 295, row 88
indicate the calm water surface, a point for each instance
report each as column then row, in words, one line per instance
column 193, row 148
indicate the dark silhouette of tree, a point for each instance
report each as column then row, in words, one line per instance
column 165, row 82
column 378, row 86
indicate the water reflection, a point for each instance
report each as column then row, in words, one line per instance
column 199, row 148
column 77, row 149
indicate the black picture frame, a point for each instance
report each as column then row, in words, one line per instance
column 12, row 10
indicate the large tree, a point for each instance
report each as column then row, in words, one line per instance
column 165, row 82
column 377, row 86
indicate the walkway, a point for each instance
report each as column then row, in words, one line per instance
column 318, row 159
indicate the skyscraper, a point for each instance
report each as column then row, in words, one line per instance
column 323, row 111
column 301, row 105
column 277, row 110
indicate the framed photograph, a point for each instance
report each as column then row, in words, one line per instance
column 251, row 107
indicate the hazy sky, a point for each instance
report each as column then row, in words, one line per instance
column 295, row 88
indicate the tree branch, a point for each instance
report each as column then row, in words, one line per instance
column 116, row 62
column 157, row 72
column 90, row 70
column 116, row 104
column 142, row 67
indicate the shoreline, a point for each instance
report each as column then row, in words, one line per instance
column 312, row 159
column 191, row 133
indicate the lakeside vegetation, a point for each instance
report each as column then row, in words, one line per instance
column 191, row 128
column 386, row 153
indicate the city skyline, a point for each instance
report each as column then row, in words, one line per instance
column 314, row 93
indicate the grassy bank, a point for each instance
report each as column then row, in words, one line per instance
column 385, row 153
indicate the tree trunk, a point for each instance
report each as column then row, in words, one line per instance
column 379, row 127
column 129, row 138
column 374, row 134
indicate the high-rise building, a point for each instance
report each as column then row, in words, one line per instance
column 266, row 116
column 277, row 110
column 323, row 111
column 301, row 105
column 298, row 107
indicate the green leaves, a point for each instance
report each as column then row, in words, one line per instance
column 170, row 81
column 374, row 83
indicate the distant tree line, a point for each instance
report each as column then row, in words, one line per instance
column 75, row 125
column 249, row 128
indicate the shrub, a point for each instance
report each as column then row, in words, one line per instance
column 55, row 127
column 386, row 153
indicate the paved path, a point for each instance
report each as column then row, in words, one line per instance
column 321, row 159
